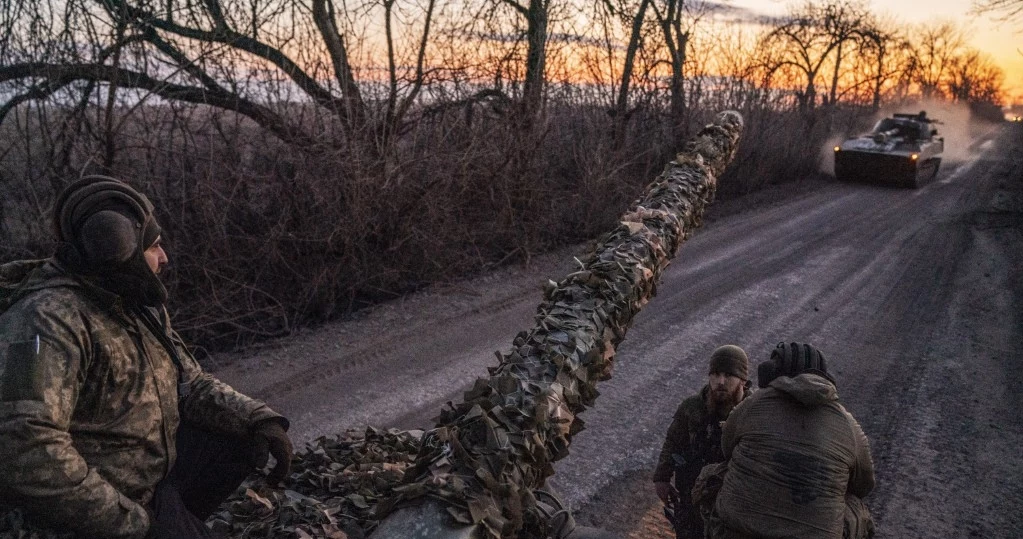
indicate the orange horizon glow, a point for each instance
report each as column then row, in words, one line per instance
column 1001, row 40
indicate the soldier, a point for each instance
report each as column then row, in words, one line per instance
column 694, row 437
column 798, row 463
column 108, row 426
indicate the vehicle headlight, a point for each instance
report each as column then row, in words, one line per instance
column 914, row 157
column 838, row 148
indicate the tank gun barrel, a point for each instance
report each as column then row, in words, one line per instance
column 489, row 453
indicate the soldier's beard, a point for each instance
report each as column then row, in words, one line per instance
column 132, row 280
column 722, row 401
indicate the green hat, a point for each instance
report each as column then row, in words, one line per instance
column 730, row 359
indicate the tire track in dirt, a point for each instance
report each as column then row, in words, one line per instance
column 385, row 346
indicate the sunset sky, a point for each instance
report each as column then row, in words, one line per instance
column 1002, row 40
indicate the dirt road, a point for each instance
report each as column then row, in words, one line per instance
column 916, row 297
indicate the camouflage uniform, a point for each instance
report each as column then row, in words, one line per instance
column 89, row 403
column 693, row 441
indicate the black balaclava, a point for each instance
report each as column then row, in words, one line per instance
column 104, row 228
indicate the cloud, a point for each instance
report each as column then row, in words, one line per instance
column 514, row 37
column 742, row 15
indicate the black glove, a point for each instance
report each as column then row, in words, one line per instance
column 279, row 446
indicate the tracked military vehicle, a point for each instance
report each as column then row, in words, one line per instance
column 903, row 151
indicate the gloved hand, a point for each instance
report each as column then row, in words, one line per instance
column 280, row 447
column 666, row 493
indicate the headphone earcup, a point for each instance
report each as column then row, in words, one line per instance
column 108, row 237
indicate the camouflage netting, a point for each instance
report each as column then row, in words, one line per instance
column 336, row 487
column 491, row 451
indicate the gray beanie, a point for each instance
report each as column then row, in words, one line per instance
column 730, row 359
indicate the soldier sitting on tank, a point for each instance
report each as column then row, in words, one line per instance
column 694, row 437
column 108, row 425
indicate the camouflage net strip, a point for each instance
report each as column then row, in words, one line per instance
column 489, row 452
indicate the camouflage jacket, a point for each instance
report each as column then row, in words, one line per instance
column 693, row 441
column 89, row 405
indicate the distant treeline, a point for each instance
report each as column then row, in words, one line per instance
column 304, row 166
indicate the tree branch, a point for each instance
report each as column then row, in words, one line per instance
column 323, row 16
column 179, row 58
column 35, row 93
column 518, row 7
column 229, row 37
column 417, row 84
column 59, row 73
column 213, row 7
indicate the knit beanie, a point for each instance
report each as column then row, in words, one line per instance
column 730, row 359
column 104, row 227
column 792, row 359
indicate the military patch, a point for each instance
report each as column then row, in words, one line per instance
column 21, row 379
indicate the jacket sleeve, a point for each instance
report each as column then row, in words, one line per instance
column 216, row 406
column 42, row 366
column 861, row 476
column 676, row 441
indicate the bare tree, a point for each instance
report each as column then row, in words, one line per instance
column 1006, row 10
column 398, row 106
column 635, row 37
column 227, row 55
column 849, row 25
column 621, row 21
column 676, row 36
column 535, row 14
column 974, row 78
column 935, row 48
column 885, row 56
column 815, row 34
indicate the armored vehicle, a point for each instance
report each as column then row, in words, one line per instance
column 904, row 151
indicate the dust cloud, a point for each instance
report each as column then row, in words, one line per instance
column 955, row 126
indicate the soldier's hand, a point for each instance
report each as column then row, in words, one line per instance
column 280, row 447
column 666, row 493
